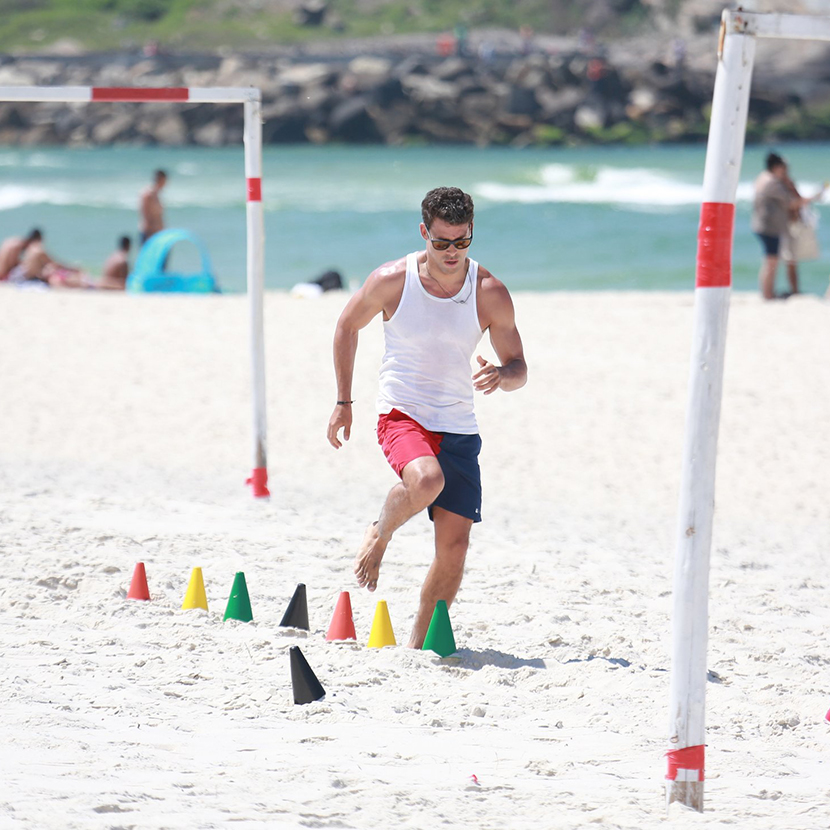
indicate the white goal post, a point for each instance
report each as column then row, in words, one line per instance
column 251, row 99
column 724, row 152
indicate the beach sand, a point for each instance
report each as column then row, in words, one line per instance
column 125, row 437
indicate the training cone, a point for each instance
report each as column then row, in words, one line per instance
column 306, row 686
column 342, row 623
column 138, row 586
column 239, row 604
column 195, row 596
column 296, row 615
column 382, row 633
column 439, row 634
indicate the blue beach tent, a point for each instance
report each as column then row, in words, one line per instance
column 149, row 272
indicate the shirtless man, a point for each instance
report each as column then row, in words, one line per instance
column 436, row 304
column 150, row 209
column 117, row 267
column 12, row 249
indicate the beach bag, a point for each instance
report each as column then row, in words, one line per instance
column 803, row 242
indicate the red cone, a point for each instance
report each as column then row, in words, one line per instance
column 138, row 587
column 342, row 624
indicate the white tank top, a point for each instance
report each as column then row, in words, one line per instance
column 426, row 371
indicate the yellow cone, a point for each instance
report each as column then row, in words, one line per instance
column 195, row 596
column 382, row 634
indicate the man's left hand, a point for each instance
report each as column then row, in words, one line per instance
column 488, row 378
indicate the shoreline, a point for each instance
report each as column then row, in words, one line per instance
column 330, row 296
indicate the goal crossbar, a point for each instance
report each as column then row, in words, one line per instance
column 787, row 26
column 126, row 94
column 251, row 99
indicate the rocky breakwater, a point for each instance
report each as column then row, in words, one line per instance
column 541, row 98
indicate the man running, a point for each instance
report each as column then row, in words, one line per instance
column 436, row 304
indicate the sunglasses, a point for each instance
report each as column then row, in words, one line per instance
column 442, row 244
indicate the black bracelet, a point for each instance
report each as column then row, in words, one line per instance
column 344, row 403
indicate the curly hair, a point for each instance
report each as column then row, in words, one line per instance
column 450, row 204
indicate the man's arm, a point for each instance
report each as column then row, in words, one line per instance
column 797, row 201
column 498, row 315
column 376, row 295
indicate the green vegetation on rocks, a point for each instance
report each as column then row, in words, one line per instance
column 196, row 25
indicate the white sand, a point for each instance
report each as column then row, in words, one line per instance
column 125, row 437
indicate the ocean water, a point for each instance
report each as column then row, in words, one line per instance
column 593, row 218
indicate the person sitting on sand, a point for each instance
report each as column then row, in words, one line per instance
column 150, row 208
column 12, row 249
column 37, row 266
column 117, row 267
column 436, row 304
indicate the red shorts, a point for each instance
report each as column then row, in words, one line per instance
column 403, row 440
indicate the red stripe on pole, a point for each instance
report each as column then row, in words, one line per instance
column 133, row 94
column 255, row 190
column 714, row 245
column 689, row 758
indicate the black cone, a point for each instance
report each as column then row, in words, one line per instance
column 296, row 615
column 307, row 687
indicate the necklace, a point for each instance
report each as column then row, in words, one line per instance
column 446, row 293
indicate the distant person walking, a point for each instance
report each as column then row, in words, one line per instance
column 150, row 207
column 117, row 267
column 774, row 201
column 12, row 249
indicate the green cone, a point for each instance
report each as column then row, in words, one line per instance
column 439, row 634
column 239, row 604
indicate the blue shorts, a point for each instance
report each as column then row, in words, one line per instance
column 403, row 440
column 770, row 244
column 458, row 457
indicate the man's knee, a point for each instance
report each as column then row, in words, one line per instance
column 424, row 481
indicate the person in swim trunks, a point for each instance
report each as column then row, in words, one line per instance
column 436, row 305
column 150, row 209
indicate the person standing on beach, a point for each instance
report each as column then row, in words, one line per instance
column 795, row 219
column 150, row 209
column 12, row 249
column 436, row 305
column 776, row 199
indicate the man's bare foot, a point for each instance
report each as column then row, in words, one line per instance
column 368, row 559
